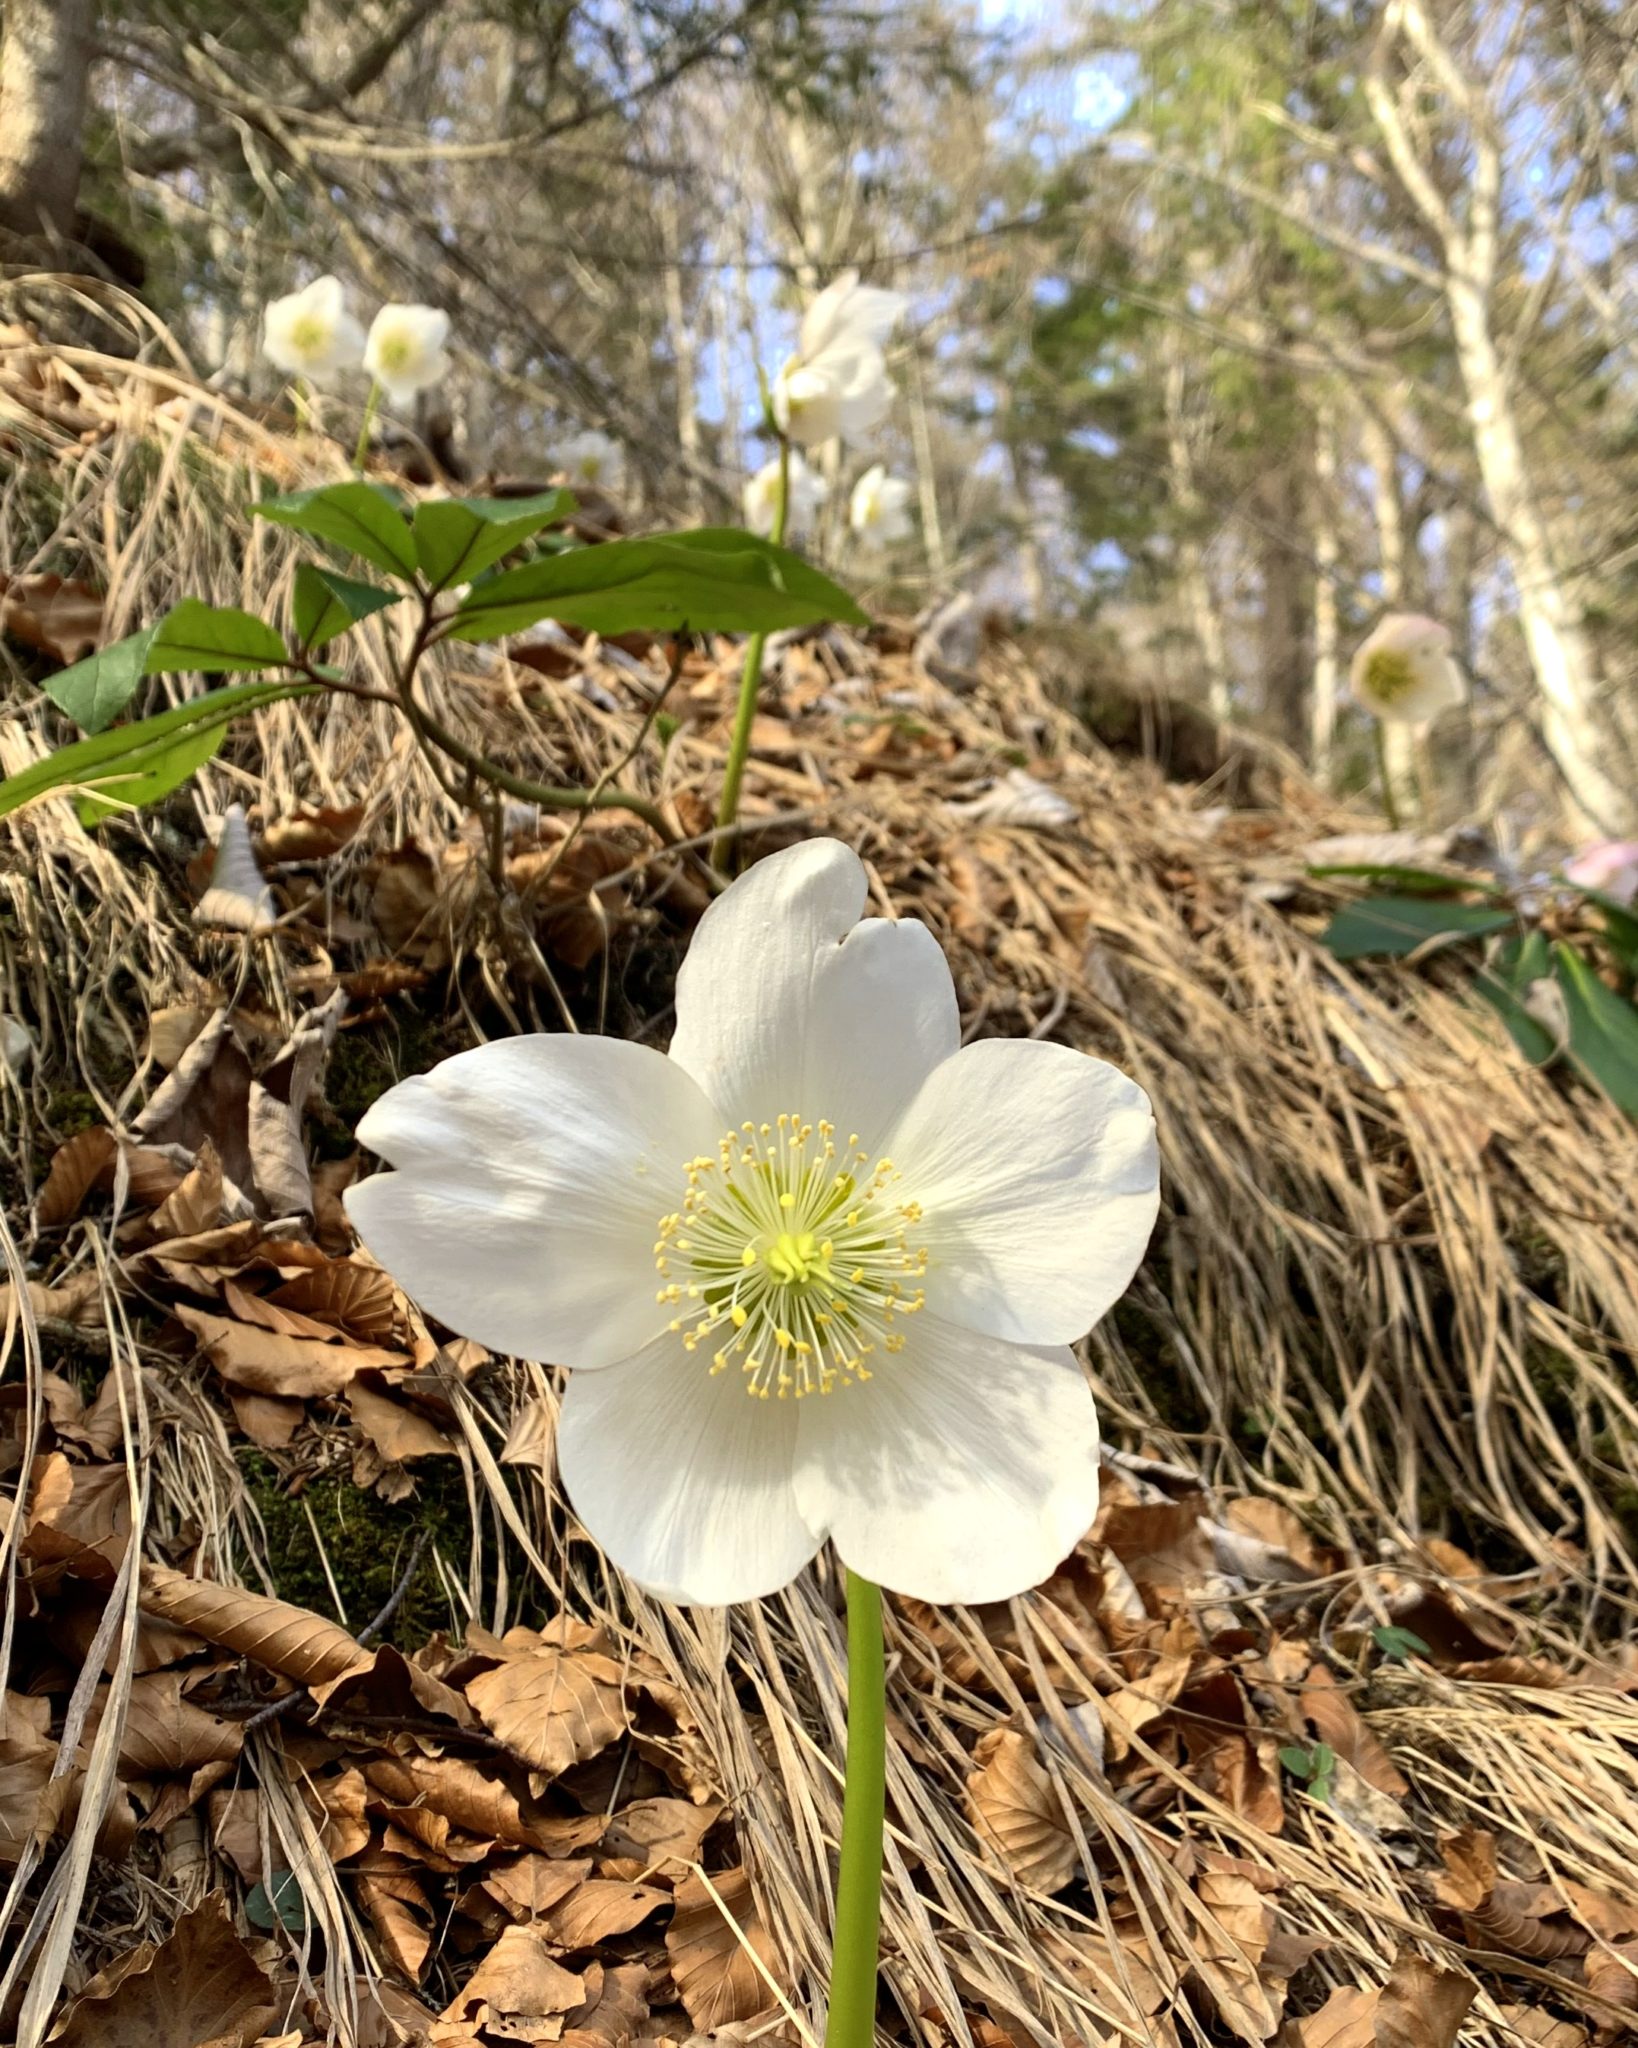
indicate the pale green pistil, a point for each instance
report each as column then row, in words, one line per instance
column 1390, row 674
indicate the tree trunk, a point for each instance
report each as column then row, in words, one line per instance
column 1282, row 627
column 1398, row 756
column 1322, row 722
column 1199, row 599
column 45, row 58
column 1584, row 739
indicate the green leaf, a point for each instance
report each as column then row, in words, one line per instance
column 95, row 691
column 1620, row 925
column 132, row 764
column 209, row 637
column 1299, row 1762
column 277, row 1902
column 1603, row 1029
column 1504, row 981
column 456, row 539
column 357, row 516
column 1396, row 1643
column 1387, row 927
column 1408, row 881
column 714, row 580
column 324, row 604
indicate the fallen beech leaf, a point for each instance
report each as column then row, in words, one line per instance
column 1162, row 1545
column 296, row 1644
column 341, row 1801
column 392, row 1688
column 601, row 1908
column 401, row 1916
column 85, row 1162
column 79, row 1519
column 199, row 1985
column 30, row 1802
column 310, row 834
column 267, row 1419
column 551, row 1706
column 397, row 1431
column 196, row 1204
column 657, row 1831
column 530, row 1886
column 165, row 1735
column 1420, row 2006
column 269, row 1315
column 356, row 1298
column 52, row 614
column 205, row 1095
column 518, row 1981
column 1015, row 1808
column 1332, row 1713
column 614, row 2010
column 78, row 1301
column 478, row 1803
column 1542, row 2029
column 277, row 1102
column 173, row 1029
column 299, row 1368
column 716, row 1979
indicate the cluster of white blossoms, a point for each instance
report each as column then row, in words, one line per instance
column 815, row 1272
column 808, row 491
column 311, row 334
column 1404, row 673
column 593, row 460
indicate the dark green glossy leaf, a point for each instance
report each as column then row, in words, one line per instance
column 1603, row 1029
column 211, row 637
column 95, row 691
column 1407, row 881
column 456, row 539
column 714, row 580
column 1504, row 981
column 279, row 1902
column 324, row 603
column 1387, row 927
column 1620, row 925
column 1397, row 1644
column 130, row 765
column 360, row 517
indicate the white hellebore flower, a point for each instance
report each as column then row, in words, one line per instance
column 405, row 350
column 836, row 383
column 1403, row 670
column 816, row 1272
column 879, row 509
column 808, row 492
column 310, row 333
column 594, row 460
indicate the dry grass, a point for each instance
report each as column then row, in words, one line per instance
column 1392, row 1288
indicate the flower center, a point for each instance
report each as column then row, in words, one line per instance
column 309, row 334
column 790, row 1258
column 396, row 352
column 1390, row 674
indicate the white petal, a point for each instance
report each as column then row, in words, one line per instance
column 684, row 1479
column 784, row 1002
column 965, row 1469
column 325, row 296
column 846, row 307
column 1038, row 1175
column 532, row 1174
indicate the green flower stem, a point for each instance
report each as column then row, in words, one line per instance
column 750, row 682
column 1389, row 802
column 372, row 405
column 857, row 1952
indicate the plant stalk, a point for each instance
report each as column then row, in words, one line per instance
column 857, row 1952
column 372, row 405
column 1390, row 802
column 750, row 683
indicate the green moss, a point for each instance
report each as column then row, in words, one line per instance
column 363, row 1065
column 366, row 1539
column 70, row 1111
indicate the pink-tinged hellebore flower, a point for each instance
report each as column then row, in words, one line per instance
column 879, row 509
column 808, row 492
column 836, row 383
column 1610, row 867
column 405, row 350
column 1403, row 671
column 815, row 1272
column 310, row 333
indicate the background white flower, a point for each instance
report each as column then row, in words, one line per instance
column 1403, row 670
column 808, row 492
column 879, row 509
column 836, row 383
column 310, row 333
column 816, row 1271
column 592, row 459
column 405, row 350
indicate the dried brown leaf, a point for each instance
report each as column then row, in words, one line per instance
column 310, row 833
column 297, row 1644
column 478, row 1803
column 616, row 2006
column 30, row 1803
column 85, row 1162
column 199, row 1985
column 54, row 615
column 1332, row 1714
column 356, row 1298
column 530, row 1886
column 165, row 1735
column 519, row 1981
column 398, row 1431
column 1422, row 2005
column 716, row 1979
column 298, row 1368
column 401, row 1916
column 267, row 1419
column 601, row 1908
column 656, row 1831
column 551, row 1706
column 1016, row 1809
